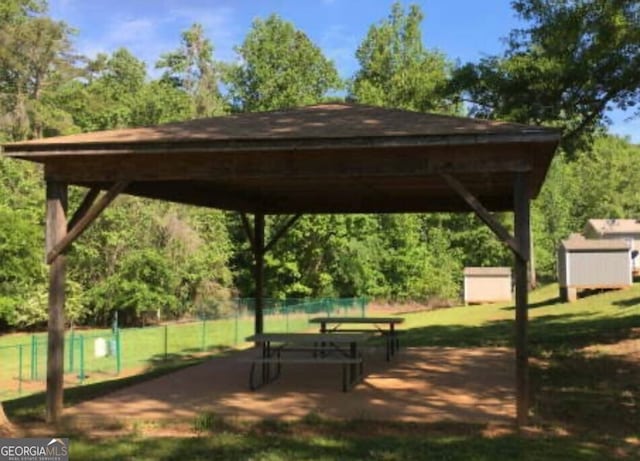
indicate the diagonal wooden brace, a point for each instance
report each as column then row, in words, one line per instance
column 248, row 230
column 484, row 214
column 85, row 218
column 281, row 232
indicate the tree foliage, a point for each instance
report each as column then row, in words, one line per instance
column 280, row 68
column 192, row 68
column 396, row 70
column 35, row 58
column 573, row 62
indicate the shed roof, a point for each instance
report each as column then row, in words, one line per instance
column 327, row 158
column 487, row 271
column 614, row 226
column 578, row 243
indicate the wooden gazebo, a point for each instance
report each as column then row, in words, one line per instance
column 331, row 158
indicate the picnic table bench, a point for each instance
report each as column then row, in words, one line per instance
column 386, row 326
column 307, row 348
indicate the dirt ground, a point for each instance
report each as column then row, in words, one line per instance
column 419, row 384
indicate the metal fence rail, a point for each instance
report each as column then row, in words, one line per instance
column 94, row 355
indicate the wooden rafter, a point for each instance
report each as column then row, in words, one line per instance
column 87, row 218
column 484, row 214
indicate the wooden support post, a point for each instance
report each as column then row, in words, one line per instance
column 259, row 271
column 533, row 279
column 56, row 230
column 522, row 234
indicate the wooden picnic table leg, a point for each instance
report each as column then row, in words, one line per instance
column 353, row 348
column 266, row 353
column 395, row 342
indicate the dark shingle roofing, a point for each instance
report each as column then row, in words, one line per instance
column 323, row 121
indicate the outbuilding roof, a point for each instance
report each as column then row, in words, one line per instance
column 487, row 271
column 578, row 243
column 614, row 226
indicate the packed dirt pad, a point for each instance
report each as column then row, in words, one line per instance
column 419, row 384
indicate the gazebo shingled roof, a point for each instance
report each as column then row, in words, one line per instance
column 326, row 158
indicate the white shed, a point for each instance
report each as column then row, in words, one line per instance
column 487, row 284
column 617, row 229
column 593, row 264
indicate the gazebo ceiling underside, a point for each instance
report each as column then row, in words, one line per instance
column 334, row 158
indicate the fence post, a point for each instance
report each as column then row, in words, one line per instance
column 204, row 333
column 71, row 350
column 118, row 349
column 81, row 374
column 166, row 341
column 286, row 315
column 235, row 340
column 20, row 369
column 34, row 352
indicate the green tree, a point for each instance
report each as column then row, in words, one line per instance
column 609, row 184
column 192, row 68
column 12, row 11
column 573, row 62
column 595, row 182
column 280, row 68
column 396, row 70
column 22, row 271
column 35, row 58
column 117, row 94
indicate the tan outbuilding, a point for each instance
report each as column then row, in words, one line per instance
column 593, row 264
column 487, row 284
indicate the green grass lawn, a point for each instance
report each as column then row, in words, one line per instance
column 585, row 405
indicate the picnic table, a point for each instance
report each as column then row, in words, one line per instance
column 304, row 348
column 386, row 326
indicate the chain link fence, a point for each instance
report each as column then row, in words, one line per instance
column 96, row 355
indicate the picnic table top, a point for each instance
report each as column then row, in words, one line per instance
column 309, row 337
column 394, row 320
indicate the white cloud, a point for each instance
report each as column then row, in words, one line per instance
column 140, row 35
column 154, row 32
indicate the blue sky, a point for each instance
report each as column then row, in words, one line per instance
column 464, row 30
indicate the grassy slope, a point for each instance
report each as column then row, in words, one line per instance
column 587, row 405
column 600, row 318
